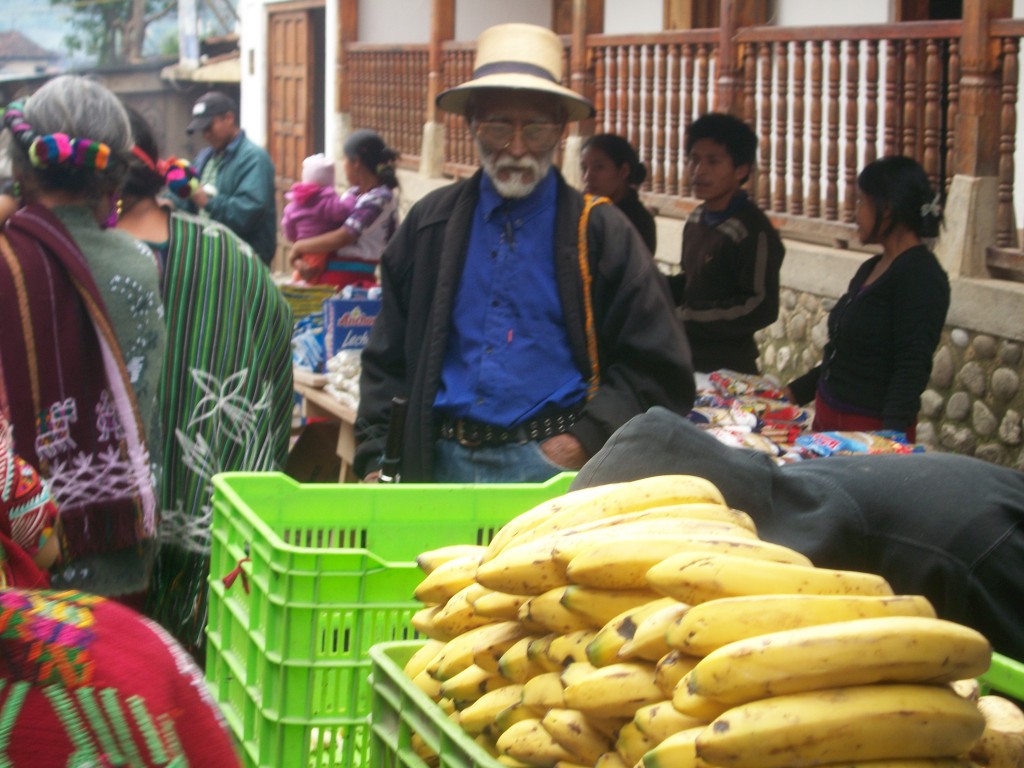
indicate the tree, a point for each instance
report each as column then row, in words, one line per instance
column 113, row 30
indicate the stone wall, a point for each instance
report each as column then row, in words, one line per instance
column 974, row 400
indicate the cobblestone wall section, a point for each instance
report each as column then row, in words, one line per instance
column 974, row 401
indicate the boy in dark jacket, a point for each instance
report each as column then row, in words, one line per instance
column 729, row 284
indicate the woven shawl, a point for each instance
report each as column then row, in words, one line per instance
column 72, row 406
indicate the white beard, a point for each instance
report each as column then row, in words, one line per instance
column 523, row 175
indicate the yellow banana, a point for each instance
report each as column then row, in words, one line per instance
column 429, row 685
column 423, row 656
column 646, row 493
column 470, row 684
column 515, row 663
column 908, row 649
column 501, row 606
column 485, row 741
column 611, row 760
column 539, row 514
column 632, row 743
column 528, row 741
column 478, row 715
column 695, row 705
column 1002, row 742
column 679, row 750
column 423, row 750
column 510, row 762
column 547, row 611
column 567, row 764
column 604, row 648
column 695, row 577
column 616, row 690
column 715, row 623
column 423, row 622
column 599, row 606
column 575, row 671
column 430, row 560
column 523, row 570
column 537, row 652
column 836, row 725
column 570, row 728
column 512, row 714
column 969, row 688
column 923, row 762
column 458, row 615
column 447, row 579
column 623, row 562
column 569, row 648
column 670, row 669
column 544, row 692
column 648, row 642
column 460, row 651
column 487, row 652
column 660, row 720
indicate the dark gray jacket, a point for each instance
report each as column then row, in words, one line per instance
column 643, row 353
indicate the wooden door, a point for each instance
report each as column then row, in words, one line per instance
column 295, row 110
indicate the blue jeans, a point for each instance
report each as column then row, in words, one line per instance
column 507, row 463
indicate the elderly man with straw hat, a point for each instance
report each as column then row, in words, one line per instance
column 523, row 322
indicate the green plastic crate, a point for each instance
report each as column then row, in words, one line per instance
column 401, row 709
column 330, row 572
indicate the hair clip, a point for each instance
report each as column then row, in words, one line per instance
column 58, row 148
column 144, row 158
column 933, row 208
column 181, row 177
column 14, row 118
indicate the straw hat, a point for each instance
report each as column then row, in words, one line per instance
column 521, row 57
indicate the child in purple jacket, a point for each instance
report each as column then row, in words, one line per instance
column 314, row 207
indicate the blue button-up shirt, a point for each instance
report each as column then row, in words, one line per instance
column 508, row 356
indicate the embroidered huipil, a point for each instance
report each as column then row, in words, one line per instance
column 508, row 356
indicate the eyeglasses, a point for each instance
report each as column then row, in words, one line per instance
column 498, row 134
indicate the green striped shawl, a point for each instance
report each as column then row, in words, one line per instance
column 226, row 395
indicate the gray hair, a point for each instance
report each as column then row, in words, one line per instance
column 82, row 109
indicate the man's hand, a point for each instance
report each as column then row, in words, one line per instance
column 565, row 451
column 372, row 477
column 200, row 198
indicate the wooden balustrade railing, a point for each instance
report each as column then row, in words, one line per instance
column 388, row 84
column 824, row 102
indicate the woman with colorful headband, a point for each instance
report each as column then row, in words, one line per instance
column 83, row 335
column 226, row 392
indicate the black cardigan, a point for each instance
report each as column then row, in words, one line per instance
column 882, row 339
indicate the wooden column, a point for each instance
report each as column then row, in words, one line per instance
column 442, row 29
column 348, row 26
column 727, row 97
column 977, row 127
column 587, row 19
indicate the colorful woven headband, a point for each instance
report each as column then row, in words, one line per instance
column 55, row 148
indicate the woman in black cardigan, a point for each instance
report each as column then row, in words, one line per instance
column 884, row 330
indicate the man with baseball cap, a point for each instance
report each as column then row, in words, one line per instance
column 520, row 346
column 236, row 176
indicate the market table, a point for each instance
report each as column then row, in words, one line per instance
column 318, row 404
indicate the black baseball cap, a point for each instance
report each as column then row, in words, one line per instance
column 208, row 106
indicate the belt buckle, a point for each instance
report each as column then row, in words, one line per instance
column 461, row 438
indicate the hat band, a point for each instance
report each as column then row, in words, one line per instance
column 512, row 68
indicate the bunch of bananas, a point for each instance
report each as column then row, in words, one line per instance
column 646, row 624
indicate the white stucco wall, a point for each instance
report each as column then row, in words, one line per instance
column 804, row 13
column 474, row 16
column 629, row 17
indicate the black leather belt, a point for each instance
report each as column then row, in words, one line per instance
column 473, row 434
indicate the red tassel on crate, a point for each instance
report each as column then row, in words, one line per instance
column 235, row 573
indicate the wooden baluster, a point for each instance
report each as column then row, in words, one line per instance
column 871, row 103
column 1006, row 233
column 764, row 111
column 832, row 138
column 911, row 104
column 781, row 134
column 750, row 62
column 675, row 84
column 656, row 179
column 814, row 153
column 796, row 195
column 635, row 85
column 689, row 92
column 647, row 148
column 600, row 103
column 932, row 94
column 852, row 132
column 622, row 114
column 702, row 68
column 952, row 106
column 893, row 61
